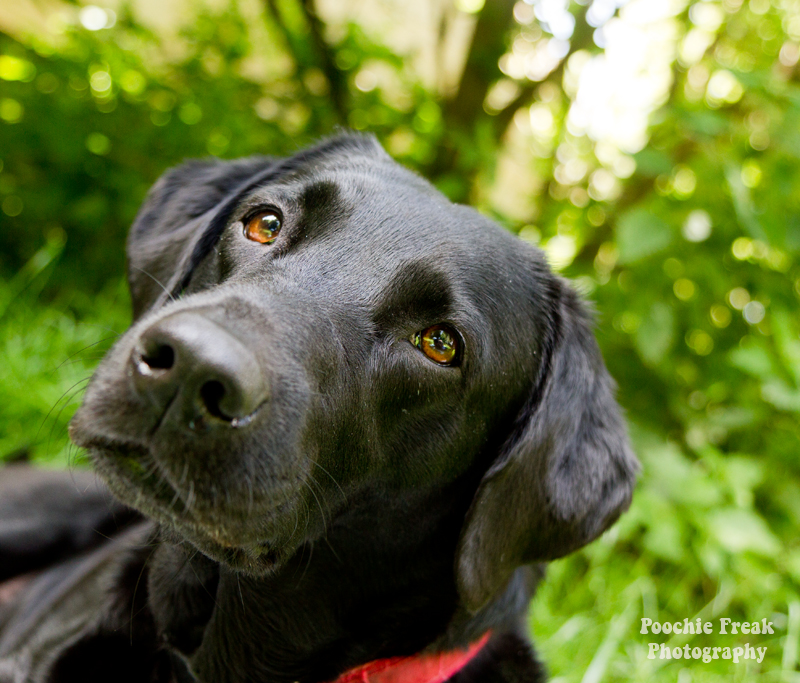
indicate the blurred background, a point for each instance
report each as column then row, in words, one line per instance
column 650, row 147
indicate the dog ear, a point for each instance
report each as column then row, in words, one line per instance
column 564, row 475
column 180, row 220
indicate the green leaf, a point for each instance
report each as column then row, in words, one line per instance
column 653, row 162
column 742, row 530
column 641, row 233
column 754, row 360
column 656, row 334
column 665, row 539
column 743, row 204
column 787, row 342
column 781, row 396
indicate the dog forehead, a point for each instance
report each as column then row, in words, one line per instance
column 377, row 205
column 368, row 227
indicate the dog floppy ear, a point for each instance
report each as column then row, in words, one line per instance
column 564, row 475
column 182, row 217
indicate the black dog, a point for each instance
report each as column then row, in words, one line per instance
column 360, row 416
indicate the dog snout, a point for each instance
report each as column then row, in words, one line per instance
column 189, row 360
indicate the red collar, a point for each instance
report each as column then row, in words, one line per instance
column 424, row 668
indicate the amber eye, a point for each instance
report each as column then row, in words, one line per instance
column 263, row 227
column 441, row 343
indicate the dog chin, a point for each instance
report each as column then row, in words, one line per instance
column 257, row 560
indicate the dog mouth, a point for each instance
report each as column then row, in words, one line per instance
column 244, row 537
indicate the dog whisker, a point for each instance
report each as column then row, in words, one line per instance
column 250, row 492
column 341, row 490
column 82, row 359
column 239, row 583
column 55, row 405
column 319, row 505
column 184, row 474
column 88, row 346
column 136, row 588
column 335, row 554
column 296, row 516
column 175, row 499
column 65, row 400
column 190, row 497
column 156, row 280
column 310, row 545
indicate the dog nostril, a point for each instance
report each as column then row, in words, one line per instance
column 212, row 393
column 160, row 357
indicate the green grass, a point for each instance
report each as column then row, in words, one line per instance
column 49, row 351
column 684, row 550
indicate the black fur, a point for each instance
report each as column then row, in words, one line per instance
column 321, row 493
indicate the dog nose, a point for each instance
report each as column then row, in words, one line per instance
column 189, row 358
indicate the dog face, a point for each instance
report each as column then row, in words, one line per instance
column 313, row 328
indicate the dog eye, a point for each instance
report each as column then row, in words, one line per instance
column 263, row 227
column 441, row 343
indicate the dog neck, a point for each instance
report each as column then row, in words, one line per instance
column 374, row 588
column 436, row 667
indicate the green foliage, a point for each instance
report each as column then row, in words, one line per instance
column 689, row 247
column 49, row 353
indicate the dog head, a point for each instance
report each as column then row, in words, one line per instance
column 312, row 327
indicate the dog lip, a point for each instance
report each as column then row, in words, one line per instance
column 114, row 451
column 103, row 442
column 211, row 519
column 218, row 529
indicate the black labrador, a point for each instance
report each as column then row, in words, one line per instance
column 356, row 420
